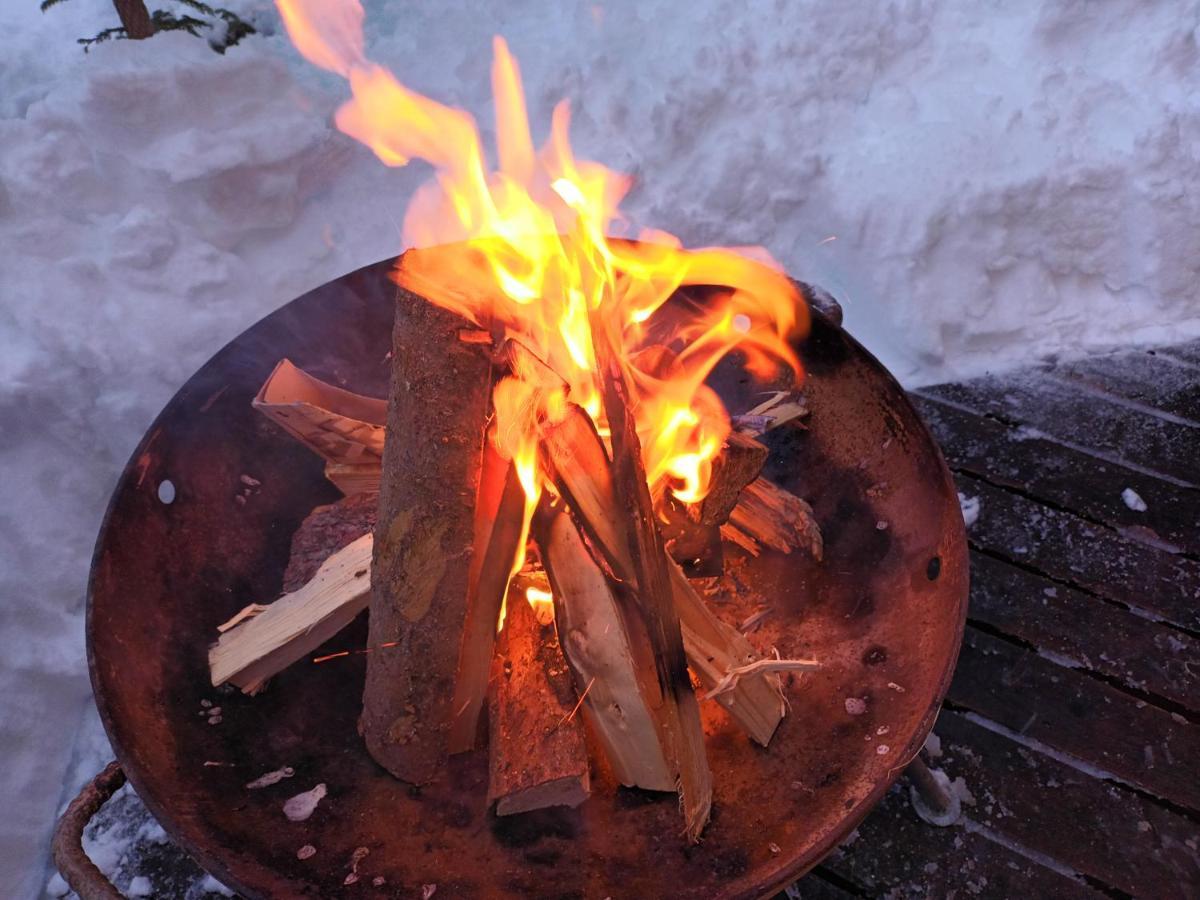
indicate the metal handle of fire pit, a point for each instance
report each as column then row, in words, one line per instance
column 73, row 864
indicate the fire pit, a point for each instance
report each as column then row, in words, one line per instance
column 201, row 523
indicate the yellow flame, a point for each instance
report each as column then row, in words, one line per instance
column 542, row 603
column 534, row 256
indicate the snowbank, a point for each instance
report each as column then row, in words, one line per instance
column 979, row 186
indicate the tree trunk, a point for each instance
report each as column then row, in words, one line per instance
column 135, row 18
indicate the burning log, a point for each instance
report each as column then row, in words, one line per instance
column 262, row 640
column 423, row 539
column 678, row 716
column 608, row 670
column 536, row 748
column 767, row 514
column 499, row 517
column 576, row 456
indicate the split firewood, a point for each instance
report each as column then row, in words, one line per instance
column 780, row 408
column 608, row 671
column 354, row 478
column 339, row 425
column 698, row 548
column 575, row 454
column 536, row 749
column 769, row 515
column 423, row 540
column 499, row 517
column 740, row 461
column 577, row 460
column 714, row 649
column 262, row 644
column 678, row 716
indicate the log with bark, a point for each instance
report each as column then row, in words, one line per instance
column 437, row 411
column 536, row 749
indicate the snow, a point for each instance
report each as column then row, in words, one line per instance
column 970, row 508
column 978, row 185
column 1133, row 500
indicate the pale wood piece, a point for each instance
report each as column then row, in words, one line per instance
column 342, row 427
column 536, row 748
column 424, row 537
column 778, row 409
column 777, row 519
column 354, row 478
column 602, row 659
column 714, row 649
column 292, row 627
column 678, row 716
column 499, row 520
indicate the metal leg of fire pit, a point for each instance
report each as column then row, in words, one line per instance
column 73, row 864
column 931, row 795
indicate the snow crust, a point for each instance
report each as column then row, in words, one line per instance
column 978, row 184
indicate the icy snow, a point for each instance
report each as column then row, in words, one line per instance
column 970, row 508
column 1133, row 500
column 978, row 185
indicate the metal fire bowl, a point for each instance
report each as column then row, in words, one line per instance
column 884, row 613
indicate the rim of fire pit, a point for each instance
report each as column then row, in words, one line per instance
column 884, row 613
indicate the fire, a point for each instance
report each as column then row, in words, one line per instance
column 531, row 258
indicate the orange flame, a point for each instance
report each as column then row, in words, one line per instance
column 531, row 253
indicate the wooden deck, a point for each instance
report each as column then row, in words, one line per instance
column 1072, row 718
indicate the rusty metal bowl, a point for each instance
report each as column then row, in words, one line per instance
column 884, row 613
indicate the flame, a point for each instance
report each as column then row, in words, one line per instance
column 532, row 254
column 542, row 603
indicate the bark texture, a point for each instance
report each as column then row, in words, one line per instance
column 437, row 412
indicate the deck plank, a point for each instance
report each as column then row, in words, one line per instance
column 1066, row 710
column 1068, row 548
column 1081, row 631
column 1141, row 376
column 1084, row 419
column 895, row 854
column 1189, row 353
column 1062, row 476
column 1096, row 828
